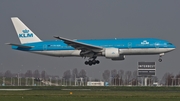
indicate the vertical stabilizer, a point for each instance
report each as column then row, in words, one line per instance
column 25, row 35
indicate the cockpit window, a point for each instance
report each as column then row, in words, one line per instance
column 169, row 43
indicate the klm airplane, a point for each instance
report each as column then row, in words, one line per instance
column 114, row 49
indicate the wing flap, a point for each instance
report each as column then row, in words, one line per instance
column 18, row 45
column 78, row 45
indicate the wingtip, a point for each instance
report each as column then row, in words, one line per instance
column 55, row 36
column 7, row 43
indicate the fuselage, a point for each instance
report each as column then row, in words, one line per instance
column 114, row 49
column 130, row 46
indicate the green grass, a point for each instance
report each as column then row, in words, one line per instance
column 111, row 88
column 88, row 96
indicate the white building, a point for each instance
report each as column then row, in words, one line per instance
column 95, row 83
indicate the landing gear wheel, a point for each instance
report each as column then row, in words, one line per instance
column 90, row 63
column 160, row 60
column 93, row 62
column 97, row 61
column 86, row 62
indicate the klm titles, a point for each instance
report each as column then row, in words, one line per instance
column 25, row 34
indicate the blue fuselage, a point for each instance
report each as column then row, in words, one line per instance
column 127, row 46
column 105, row 43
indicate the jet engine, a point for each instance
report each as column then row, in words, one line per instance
column 114, row 54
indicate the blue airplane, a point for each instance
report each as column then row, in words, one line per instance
column 114, row 49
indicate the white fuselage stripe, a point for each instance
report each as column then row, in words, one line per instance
column 131, row 51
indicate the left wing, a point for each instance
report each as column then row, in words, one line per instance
column 78, row 45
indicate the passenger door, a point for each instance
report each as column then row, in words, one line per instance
column 129, row 45
column 44, row 47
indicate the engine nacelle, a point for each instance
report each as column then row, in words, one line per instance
column 112, row 53
column 76, row 53
column 121, row 57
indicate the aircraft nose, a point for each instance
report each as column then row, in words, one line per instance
column 173, row 47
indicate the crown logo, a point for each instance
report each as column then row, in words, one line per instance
column 144, row 42
column 25, row 31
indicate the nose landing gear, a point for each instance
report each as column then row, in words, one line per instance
column 160, row 60
column 160, row 57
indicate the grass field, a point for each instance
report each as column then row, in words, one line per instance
column 102, row 94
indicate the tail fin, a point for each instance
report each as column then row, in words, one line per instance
column 24, row 33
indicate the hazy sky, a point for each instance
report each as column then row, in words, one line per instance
column 89, row 19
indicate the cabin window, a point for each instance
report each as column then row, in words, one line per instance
column 169, row 43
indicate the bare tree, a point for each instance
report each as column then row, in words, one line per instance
column 28, row 73
column 135, row 74
column 106, row 75
column 114, row 76
column 74, row 73
column 36, row 74
column 178, row 79
column 128, row 76
column 113, row 73
column 167, row 79
column 155, row 79
column 164, row 79
column 43, row 74
column 8, row 73
column 67, row 74
column 134, row 78
column 82, row 73
column 121, row 74
column 22, row 75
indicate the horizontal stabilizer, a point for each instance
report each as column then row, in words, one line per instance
column 18, row 45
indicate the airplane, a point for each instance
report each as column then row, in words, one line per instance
column 114, row 49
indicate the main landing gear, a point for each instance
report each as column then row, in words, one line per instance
column 92, row 61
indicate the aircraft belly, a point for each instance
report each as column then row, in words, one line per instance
column 144, row 51
column 61, row 53
column 131, row 51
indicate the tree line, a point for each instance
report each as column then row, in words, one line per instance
column 115, row 77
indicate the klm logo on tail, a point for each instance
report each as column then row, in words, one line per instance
column 25, row 34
